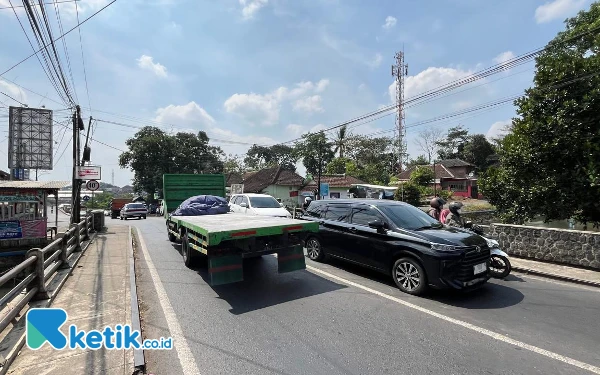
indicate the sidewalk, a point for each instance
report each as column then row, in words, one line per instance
column 96, row 295
column 555, row 271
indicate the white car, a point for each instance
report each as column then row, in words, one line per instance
column 257, row 204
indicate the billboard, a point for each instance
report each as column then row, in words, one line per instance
column 89, row 172
column 30, row 138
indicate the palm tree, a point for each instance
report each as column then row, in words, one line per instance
column 340, row 141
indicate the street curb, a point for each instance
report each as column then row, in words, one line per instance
column 139, row 362
column 557, row 277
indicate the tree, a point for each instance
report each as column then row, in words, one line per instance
column 152, row 153
column 477, row 151
column 314, row 148
column 233, row 164
column 422, row 176
column 101, row 201
column 451, row 147
column 337, row 165
column 259, row 157
column 550, row 163
column 429, row 142
column 420, row 160
column 410, row 193
column 340, row 141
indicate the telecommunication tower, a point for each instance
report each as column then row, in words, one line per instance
column 400, row 70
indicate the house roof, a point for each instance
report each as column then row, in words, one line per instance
column 260, row 180
column 338, row 181
column 51, row 185
column 440, row 172
column 233, row 178
column 451, row 163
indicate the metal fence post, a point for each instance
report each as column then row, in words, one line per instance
column 38, row 270
column 78, row 236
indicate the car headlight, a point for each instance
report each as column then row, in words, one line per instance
column 492, row 243
column 443, row 248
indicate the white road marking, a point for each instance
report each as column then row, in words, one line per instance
column 186, row 358
column 483, row 331
column 558, row 282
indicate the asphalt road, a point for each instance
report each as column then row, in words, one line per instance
column 336, row 318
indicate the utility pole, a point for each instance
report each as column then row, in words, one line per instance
column 320, row 157
column 399, row 71
column 76, row 185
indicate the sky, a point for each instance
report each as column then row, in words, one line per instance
column 266, row 71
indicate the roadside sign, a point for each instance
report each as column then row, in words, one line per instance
column 85, row 198
column 92, row 185
column 324, row 189
column 89, row 172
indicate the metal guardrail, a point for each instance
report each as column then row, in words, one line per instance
column 40, row 265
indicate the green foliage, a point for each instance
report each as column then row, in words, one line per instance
column 445, row 194
column 420, row 160
column 101, row 201
column 452, row 146
column 550, row 163
column 259, row 157
column 408, row 192
column 152, row 153
column 337, row 166
column 341, row 141
column 477, row 151
column 422, row 176
column 315, row 150
column 233, row 164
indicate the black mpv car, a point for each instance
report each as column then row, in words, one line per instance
column 400, row 240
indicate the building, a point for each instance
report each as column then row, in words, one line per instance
column 339, row 186
column 453, row 174
column 278, row 182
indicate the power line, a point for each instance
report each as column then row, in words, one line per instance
column 83, row 60
column 8, row 96
column 55, row 2
column 64, row 43
column 60, row 37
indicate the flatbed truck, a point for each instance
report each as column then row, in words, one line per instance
column 225, row 240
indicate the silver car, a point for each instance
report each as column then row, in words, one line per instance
column 130, row 210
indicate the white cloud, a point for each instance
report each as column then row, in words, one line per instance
column 146, row 62
column 251, row 7
column 189, row 115
column 557, row 9
column 310, row 104
column 498, row 129
column 428, row 79
column 295, row 130
column 317, row 128
column 389, row 22
column 13, row 90
column 264, row 109
column 376, row 60
column 504, row 57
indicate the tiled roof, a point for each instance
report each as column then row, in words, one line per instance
column 338, row 181
column 450, row 163
column 233, row 178
column 260, row 180
column 440, row 172
column 34, row 184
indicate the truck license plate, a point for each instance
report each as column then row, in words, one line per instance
column 479, row 268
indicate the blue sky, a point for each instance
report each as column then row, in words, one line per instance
column 265, row 71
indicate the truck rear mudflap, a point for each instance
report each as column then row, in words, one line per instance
column 228, row 269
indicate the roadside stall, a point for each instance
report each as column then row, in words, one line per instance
column 375, row 191
column 24, row 206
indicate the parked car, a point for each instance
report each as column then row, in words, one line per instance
column 400, row 240
column 257, row 204
column 133, row 210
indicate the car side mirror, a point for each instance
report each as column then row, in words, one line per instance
column 244, row 205
column 377, row 224
column 281, row 204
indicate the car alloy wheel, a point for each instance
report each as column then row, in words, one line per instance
column 409, row 276
column 313, row 249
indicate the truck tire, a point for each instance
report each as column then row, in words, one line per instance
column 190, row 255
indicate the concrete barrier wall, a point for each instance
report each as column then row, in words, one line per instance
column 556, row 245
column 480, row 217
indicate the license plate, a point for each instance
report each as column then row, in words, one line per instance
column 479, row 268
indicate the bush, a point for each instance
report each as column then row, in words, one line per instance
column 411, row 192
column 445, row 194
column 422, row 175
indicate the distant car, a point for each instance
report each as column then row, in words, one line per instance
column 257, row 204
column 133, row 210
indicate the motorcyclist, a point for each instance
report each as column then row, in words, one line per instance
column 307, row 201
column 436, row 204
column 454, row 219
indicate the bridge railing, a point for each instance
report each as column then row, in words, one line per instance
column 39, row 266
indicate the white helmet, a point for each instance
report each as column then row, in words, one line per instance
column 307, row 199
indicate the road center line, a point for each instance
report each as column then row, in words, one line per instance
column 186, row 358
column 483, row 331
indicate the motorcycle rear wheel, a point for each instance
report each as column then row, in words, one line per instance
column 500, row 266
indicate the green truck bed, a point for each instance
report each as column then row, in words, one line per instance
column 234, row 226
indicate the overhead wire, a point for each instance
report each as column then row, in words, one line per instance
column 10, row 97
column 64, row 43
column 55, row 2
column 83, row 61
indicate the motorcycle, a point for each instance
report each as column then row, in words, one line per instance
column 500, row 266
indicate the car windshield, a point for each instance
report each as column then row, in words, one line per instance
column 135, row 206
column 409, row 217
column 264, row 202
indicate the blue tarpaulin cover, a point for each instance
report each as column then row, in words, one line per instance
column 202, row 205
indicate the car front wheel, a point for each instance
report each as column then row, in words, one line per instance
column 314, row 249
column 409, row 276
